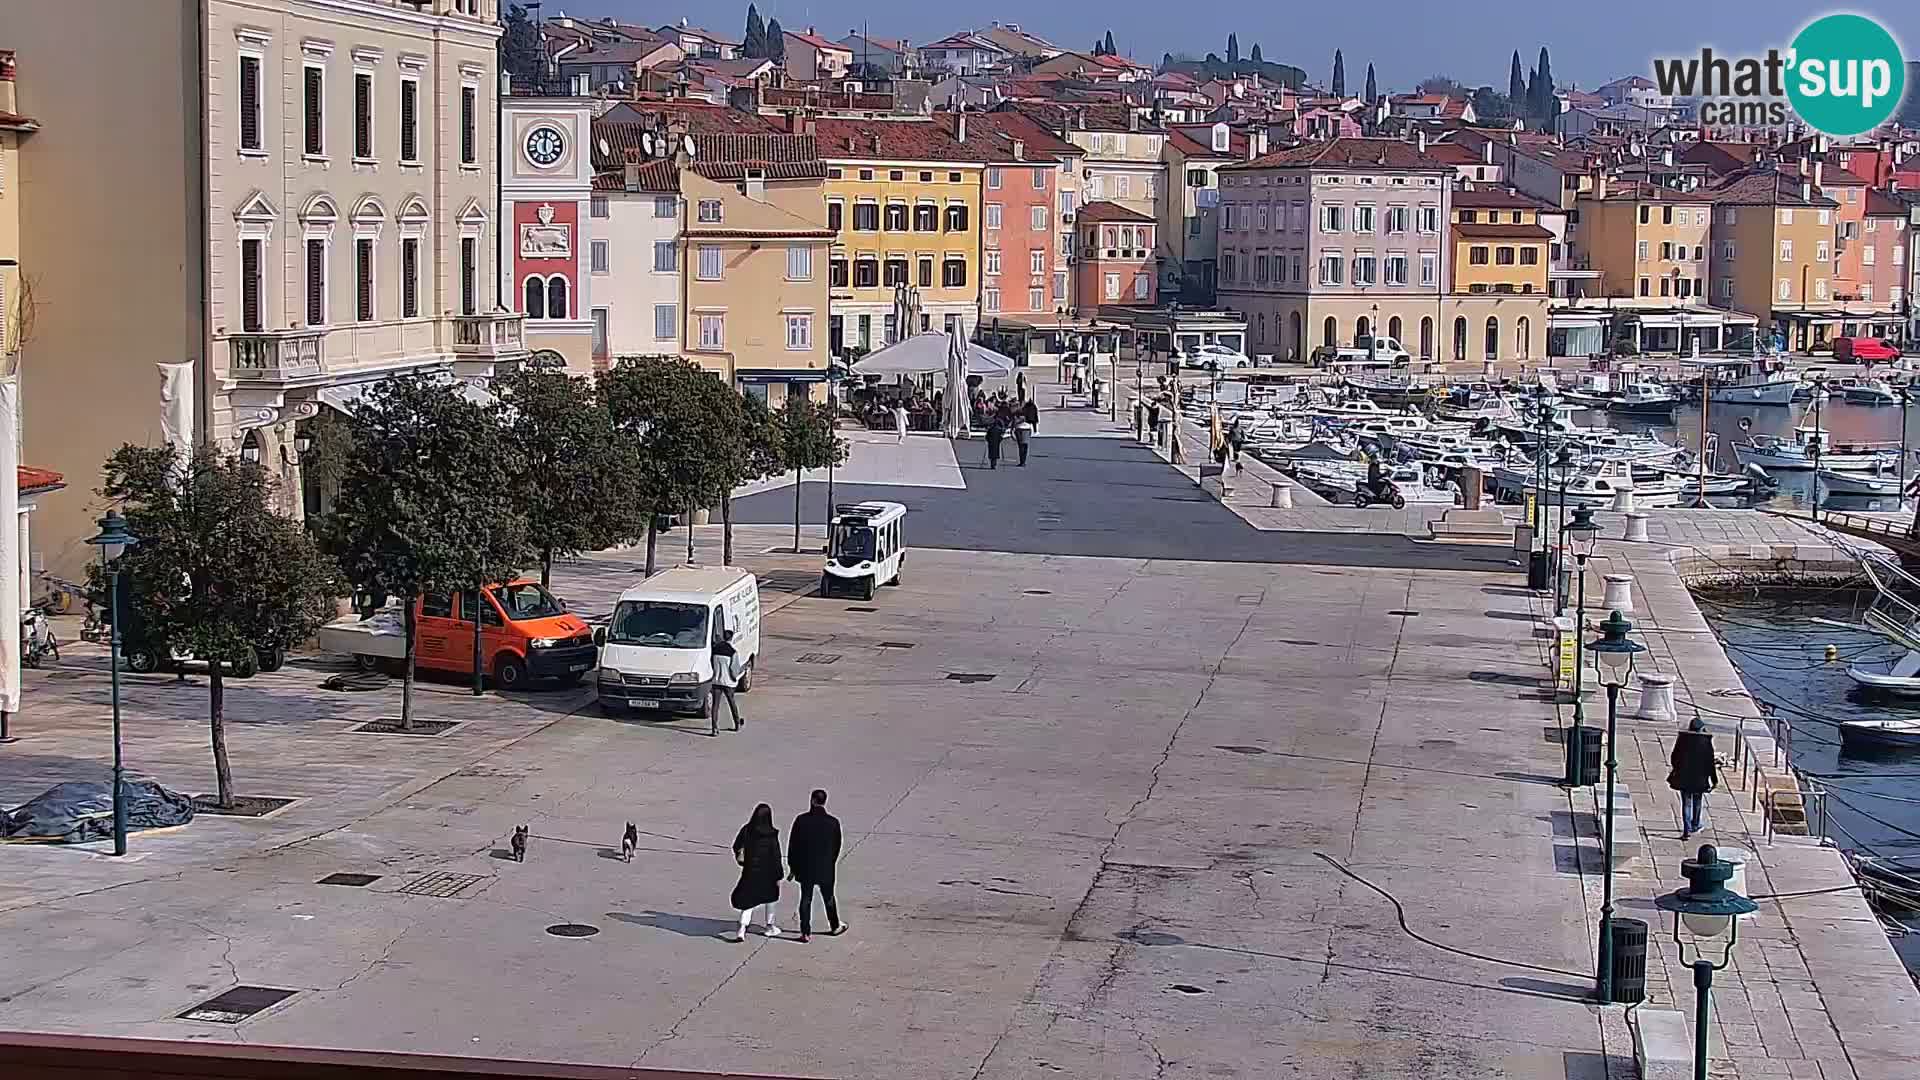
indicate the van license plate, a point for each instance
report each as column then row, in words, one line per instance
column 579, row 667
column 642, row 703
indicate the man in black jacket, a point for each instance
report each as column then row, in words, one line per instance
column 813, row 847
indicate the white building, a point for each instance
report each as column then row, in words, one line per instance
column 633, row 255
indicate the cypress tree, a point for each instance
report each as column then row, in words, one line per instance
column 756, row 43
column 1373, row 91
column 1544, row 104
column 1233, row 48
column 1517, row 84
column 1256, row 54
column 1339, row 74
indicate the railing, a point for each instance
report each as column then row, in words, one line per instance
column 277, row 355
column 497, row 334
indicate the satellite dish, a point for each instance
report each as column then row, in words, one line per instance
column 686, row 142
column 605, row 150
column 646, row 143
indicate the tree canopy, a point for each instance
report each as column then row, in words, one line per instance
column 576, row 485
column 683, row 440
column 1255, row 56
column 519, row 48
column 755, row 44
column 776, row 42
column 1516, row 80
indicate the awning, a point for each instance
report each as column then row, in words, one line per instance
column 925, row 353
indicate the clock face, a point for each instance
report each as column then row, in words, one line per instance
column 544, row 146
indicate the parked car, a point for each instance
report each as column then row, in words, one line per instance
column 1864, row 350
column 1210, row 357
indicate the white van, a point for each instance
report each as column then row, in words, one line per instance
column 656, row 652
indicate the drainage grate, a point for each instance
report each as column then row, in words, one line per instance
column 863, row 610
column 243, row 805
column 896, row 645
column 573, row 929
column 1241, row 749
column 237, row 1004
column 421, row 728
column 969, row 677
column 817, row 658
column 1186, row 988
column 441, row 883
column 788, row 581
column 1249, row 599
column 1038, row 592
column 1401, row 611
column 1151, row 937
column 355, row 881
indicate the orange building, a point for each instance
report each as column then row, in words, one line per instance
column 1115, row 258
column 1021, row 265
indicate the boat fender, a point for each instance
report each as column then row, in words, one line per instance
column 1833, row 653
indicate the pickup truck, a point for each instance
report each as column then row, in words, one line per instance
column 1386, row 351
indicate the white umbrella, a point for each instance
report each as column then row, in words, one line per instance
column 959, row 419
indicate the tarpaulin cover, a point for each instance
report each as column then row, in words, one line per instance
column 80, row 810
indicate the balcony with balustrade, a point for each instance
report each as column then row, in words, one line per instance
column 277, row 356
column 499, row 335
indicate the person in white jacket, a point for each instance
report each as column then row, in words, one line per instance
column 726, row 680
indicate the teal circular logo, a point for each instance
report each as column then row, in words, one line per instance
column 1845, row 75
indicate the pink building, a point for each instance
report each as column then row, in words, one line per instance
column 1021, row 273
column 1115, row 259
column 1883, row 252
column 1320, row 123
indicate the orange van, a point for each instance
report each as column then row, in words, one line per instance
column 525, row 634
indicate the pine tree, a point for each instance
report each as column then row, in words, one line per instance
column 756, row 43
column 1517, row 84
column 1544, row 105
column 1166, row 61
column 1111, row 51
column 776, row 42
column 1256, row 54
column 1233, row 48
column 1373, row 89
column 1339, row 74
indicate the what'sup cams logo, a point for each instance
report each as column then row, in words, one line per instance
column 1843, row 75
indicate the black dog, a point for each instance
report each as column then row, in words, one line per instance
column 628, row 841
column 519, row 844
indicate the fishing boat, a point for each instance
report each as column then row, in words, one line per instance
column 1891, row 882
column 1893, row 616
column 1771, row 452
column 1628, row 396
column 1392, row 391
column 1472, row 402
column 1872, row 484
column 1735, row 380
column 1871, row 392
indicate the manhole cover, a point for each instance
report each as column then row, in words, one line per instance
column 1186, row 988
column 243, row 805
column 788, row 581
column 420, row 727
column 1038, row 592
column 573, row 929
column 1503, row 678
column 356, row 881
column 969, row 677
column 817, row 658
column 896, row 645
column 442, row 883
column 1249, row 599
column 1151, row 937
column 237, row 1004
column 1399, row 611
column 1241, row 749
column 863, row 610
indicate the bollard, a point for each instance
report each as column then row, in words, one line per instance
column 1280, row 497
column 1619, row 594
column 1637, row 528
column 1656, row 698
column 1623, row 501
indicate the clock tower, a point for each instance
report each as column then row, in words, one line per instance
column 546, row 180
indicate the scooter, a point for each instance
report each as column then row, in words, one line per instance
column 1363, row 496
column 36, row 637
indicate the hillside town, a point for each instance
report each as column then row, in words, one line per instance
column 1208, row 561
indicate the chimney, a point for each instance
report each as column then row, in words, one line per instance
column 1019, row 150
column 1486, row 152
column 1819, row 172
column 1253, row 150
column 1420, row 140
column 1260, row 134
column 8, row 102
column 812, row 129
column 631, row 171
column 873, row 141
column 756, row 186
column 1133, row 120
column 1806, row 190
column 960, row 125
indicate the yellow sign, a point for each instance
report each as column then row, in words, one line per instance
column 1563, row 667
column 1528, row 516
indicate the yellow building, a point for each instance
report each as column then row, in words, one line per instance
column 1499, row 245
column 903, row 198
column 1650, row 243
column 1773, row 252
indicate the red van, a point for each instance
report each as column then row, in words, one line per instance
column 1864, row 350
column 525, row 634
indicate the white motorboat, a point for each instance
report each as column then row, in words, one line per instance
column 1627, row 395
column 1873, row 484
column 1771, row 452
column 1871, row 392
column 1473, row 402
column 1593, row 485
column 1345, row 483
column 1894, row 617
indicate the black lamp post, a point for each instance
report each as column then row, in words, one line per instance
column 1564, row 462
column 1709, row 909
column 1816, row 445
column 1583, row 531
column 1613, row 657
column 1906, row 398
column 1538, row 566
column 112, row 540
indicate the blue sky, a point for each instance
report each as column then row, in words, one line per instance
column 1406, row 40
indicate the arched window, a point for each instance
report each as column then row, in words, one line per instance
column 1524, row 332
column 1426, row 337
column 536, row 297
column 1331, row 333
column 1393, row 328
column 1296, row 342
column 1361, row 328
column 1260, row 334
column 1460, row 337
column 556, row 297
column 1493, row 338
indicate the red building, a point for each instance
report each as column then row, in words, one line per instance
column 1116, row 265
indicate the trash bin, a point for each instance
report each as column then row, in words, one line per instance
column 1629, row 960
column 1583, row 758
column 1537, row 578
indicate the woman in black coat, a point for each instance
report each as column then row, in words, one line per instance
column 1694, row 773
column 757, row 849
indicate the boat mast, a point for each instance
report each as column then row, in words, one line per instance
column 1706, row 399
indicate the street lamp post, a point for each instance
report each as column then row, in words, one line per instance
column 1613, row 656
column 1816, row 446
column 1906, row 398
column 1540, row 566
column 1710, row 910
column 1583, row 531
column 112, row 540
column 1564, row 460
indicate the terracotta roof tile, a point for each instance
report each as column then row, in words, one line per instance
column 16, row 122
column 1495, row 199
column 994, row 132
column 1482, row 231
column 1762, row 185
column 928, row 139
column 1346, row 153
column 33, row 480
column 1882, row 204
column 815, row 40
column 1453, row 154
column 1641, row 191
column 1196, row 140
column 1105, row 210
column 1093, row 116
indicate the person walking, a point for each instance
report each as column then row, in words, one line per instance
column 1694, row 773
column 996, row 430
column 1237, row 439
column 899, row 422
column 756, row 847
column 1026, row 420
column 726, row 682
column 813, row 847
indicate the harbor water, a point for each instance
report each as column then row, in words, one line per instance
column 1777, row 640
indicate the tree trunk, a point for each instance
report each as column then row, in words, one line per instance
column 546, row 568
column 689, row 534
column 653, row 541
column 726, row 529
column 217, row 724
column 796, row 511
column 406, row 671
